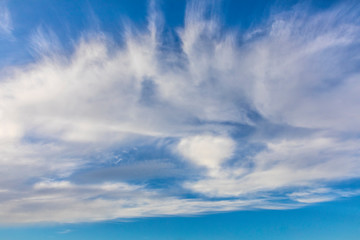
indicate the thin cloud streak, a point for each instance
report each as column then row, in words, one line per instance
column 6, row 26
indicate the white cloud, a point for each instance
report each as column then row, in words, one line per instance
column 65, row 202
column 285, row 164
column 5, row 20
column 65, row 231
column 275, row 113
column 206, row 150
column 45, row 42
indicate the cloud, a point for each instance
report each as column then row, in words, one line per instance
column 285, row 164
column 265, row 119
column 61, row 201
column 65, row 231
column 207, row 151
column 45, row 42
column 6, row 26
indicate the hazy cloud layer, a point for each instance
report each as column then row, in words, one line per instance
column 268, row 118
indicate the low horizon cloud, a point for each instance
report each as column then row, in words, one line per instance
column 220, row 120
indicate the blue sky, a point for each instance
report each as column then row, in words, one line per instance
column 179, row 119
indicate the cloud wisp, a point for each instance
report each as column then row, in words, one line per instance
column 265, row 119
column 6, row 26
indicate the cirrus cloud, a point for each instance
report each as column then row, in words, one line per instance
column 264, row 119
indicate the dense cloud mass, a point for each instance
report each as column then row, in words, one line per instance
column 220, row 120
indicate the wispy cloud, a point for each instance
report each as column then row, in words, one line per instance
column 266, row 119
column 65, row 231
column 45, row 42
column 6, row 26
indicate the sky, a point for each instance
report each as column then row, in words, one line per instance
column 179, row 119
